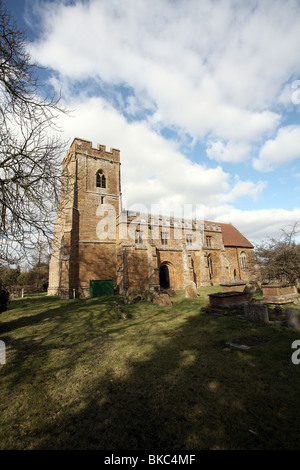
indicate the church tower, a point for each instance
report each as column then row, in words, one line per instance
column 90, row 191
column 95, row 241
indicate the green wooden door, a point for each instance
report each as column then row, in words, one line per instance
column 99, row 288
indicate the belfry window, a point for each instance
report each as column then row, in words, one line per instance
column 100, row 179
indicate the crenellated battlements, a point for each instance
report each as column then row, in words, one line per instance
column 86, row 147
column 169, row 221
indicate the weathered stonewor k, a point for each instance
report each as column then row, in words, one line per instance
column 95, row 239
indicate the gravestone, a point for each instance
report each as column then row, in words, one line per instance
column 148, row 296
column 292, row 316
column 163, row 300
column 256, row 313
column 249, row 289
column 129, row 296
column 191, row 291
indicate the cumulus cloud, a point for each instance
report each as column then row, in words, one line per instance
column 256, row 224
column 208, row 70
column 215, row 74
column 288, row 97
column 245, row 188
column 228, row 152
column 153, row 169
column 284, row 148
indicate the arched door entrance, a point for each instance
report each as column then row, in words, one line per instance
column 164, row 277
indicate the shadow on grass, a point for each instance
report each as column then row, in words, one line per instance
column 185, row 391
column 39, row 326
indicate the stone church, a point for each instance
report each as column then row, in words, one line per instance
column 95, row 239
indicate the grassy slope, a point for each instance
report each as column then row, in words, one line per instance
column 78, row 376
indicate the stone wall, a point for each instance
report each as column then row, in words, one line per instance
column 83, row 249
column 236, row 270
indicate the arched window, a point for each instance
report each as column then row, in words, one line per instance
column 243, row 260
column 100, row 179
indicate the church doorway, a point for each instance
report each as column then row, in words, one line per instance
column 164, row 277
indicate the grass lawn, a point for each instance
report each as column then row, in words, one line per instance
column 79, row 376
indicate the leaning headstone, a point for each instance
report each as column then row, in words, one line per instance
column 249, row 289
column 292, row 316
column 161, row 299
column 129, row 296
column 121, row 311
column 256, row 313
column 147, row 295
column 191, row 291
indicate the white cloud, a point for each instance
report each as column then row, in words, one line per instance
column 153, row 168
column 234, row 152
column 245, row 188
column 214, row 71
column 284, row 148
column 154, row 171
column 288, row 96
column 255, row 225
column 210, row 70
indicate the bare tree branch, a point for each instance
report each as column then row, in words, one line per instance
column 30, row 147
column 280, row 258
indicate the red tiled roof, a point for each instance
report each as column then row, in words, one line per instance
column 232, row 237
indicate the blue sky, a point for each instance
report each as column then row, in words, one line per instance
column 201, row 97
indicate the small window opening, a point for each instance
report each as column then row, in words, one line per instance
column 189, row 240
column 138, row 237
column 151, row 232
column 164, row 238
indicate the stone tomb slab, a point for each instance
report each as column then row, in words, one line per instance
column 247, row 342
column 228, row 299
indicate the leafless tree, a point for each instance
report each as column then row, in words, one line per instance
column 30, row 146
column 280, row 258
